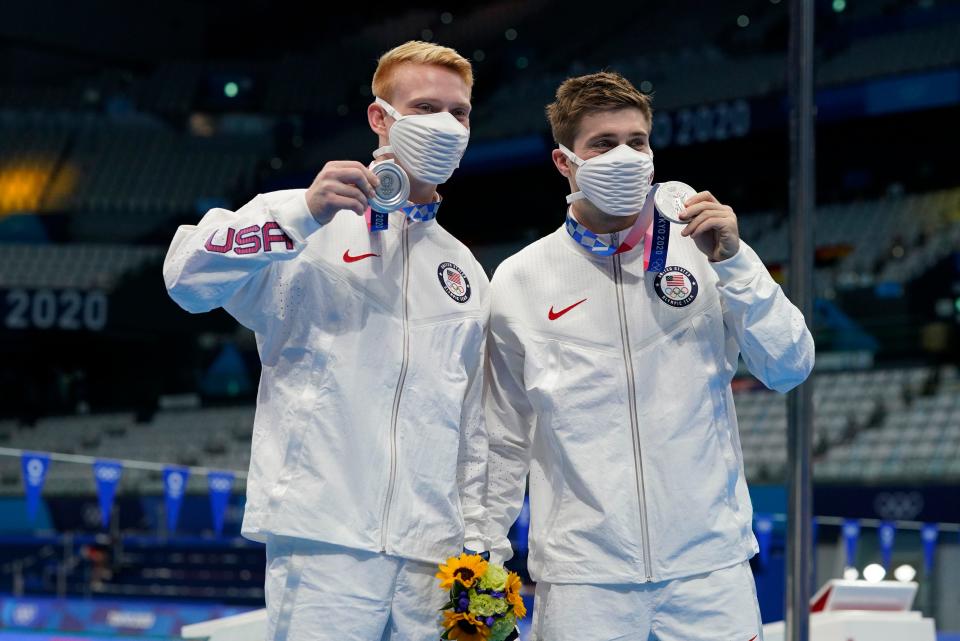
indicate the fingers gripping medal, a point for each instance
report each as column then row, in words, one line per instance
column 390, row 195
column 669, row 200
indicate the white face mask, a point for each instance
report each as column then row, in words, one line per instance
column 428, row 146
column 617, row 181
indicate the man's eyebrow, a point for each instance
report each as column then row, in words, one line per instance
column 434, row 101
column 608, row 134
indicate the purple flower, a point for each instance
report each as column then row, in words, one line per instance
column 489, row 622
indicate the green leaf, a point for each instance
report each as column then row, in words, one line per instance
column 502, row 628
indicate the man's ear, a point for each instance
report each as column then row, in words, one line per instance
column 377, row 119
column 561, row 162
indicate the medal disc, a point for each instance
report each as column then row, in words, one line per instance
column 394, row 187
column 669, row 200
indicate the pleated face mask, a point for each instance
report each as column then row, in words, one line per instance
column 428, row 146
column 617, row 181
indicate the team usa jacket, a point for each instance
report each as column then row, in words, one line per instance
column 369, row 428
column 611, row 386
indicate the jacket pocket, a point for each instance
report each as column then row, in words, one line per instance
column 297, row 423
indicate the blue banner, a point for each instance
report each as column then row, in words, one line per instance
column 35, row 468
column 929, row 535
column 174, row 485
column 107, row 475
column 925, row 504
column 851, row 532
column 220, row 484
column 886, row 534
column 763, row 528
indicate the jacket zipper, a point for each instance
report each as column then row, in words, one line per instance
column 632, row 402
column 405, row 243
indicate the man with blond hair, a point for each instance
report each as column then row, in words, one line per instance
column 368, row 461
column 613, row 342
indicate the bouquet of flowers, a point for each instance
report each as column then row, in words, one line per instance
column 485, row 602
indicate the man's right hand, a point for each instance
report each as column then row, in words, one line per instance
column 341, row 184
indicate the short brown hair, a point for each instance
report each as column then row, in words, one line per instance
column 418, row 52
column 583, row 95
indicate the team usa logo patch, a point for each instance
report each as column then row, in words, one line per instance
column 676, row 286
column 454, row 282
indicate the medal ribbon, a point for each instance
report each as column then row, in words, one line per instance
column 655, row 237
column 377, row 221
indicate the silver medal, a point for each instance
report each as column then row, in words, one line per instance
column 394, row 189
column 669, row 200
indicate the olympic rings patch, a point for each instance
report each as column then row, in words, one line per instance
column 676, row 286
column 454, row 282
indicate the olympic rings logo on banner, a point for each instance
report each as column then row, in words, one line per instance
column 35, row 470
column 108, row 473
column 175, row 484
column 898, row 506
column 220, row 484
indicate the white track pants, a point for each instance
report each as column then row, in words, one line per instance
column 719, row 606
column 320, row 592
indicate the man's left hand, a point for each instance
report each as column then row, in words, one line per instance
column 712, row 225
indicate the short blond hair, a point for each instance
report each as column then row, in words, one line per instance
column 418, row 52
column 595, row 92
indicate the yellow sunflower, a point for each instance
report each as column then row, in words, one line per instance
column 513, row 595
column 467, row 568
column 462, row 626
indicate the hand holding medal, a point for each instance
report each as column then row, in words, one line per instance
column 711, row 224
column 341, row 184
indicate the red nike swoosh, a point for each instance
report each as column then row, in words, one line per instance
column 347, row 258
column 555, row 315
column 754, row 638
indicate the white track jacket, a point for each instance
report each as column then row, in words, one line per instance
column 369, row 428
column 611, row 385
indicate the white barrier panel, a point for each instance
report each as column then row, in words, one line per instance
column 862, row 611
column 861, row 626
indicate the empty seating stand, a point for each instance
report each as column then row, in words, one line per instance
column 876, row 425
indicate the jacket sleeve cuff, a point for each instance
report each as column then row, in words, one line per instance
column 741, row 266
column 295, row 218
column 475, row 545
column 501, row 551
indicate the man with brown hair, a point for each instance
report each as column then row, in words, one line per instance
column 612, row 345
column 368, row 460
